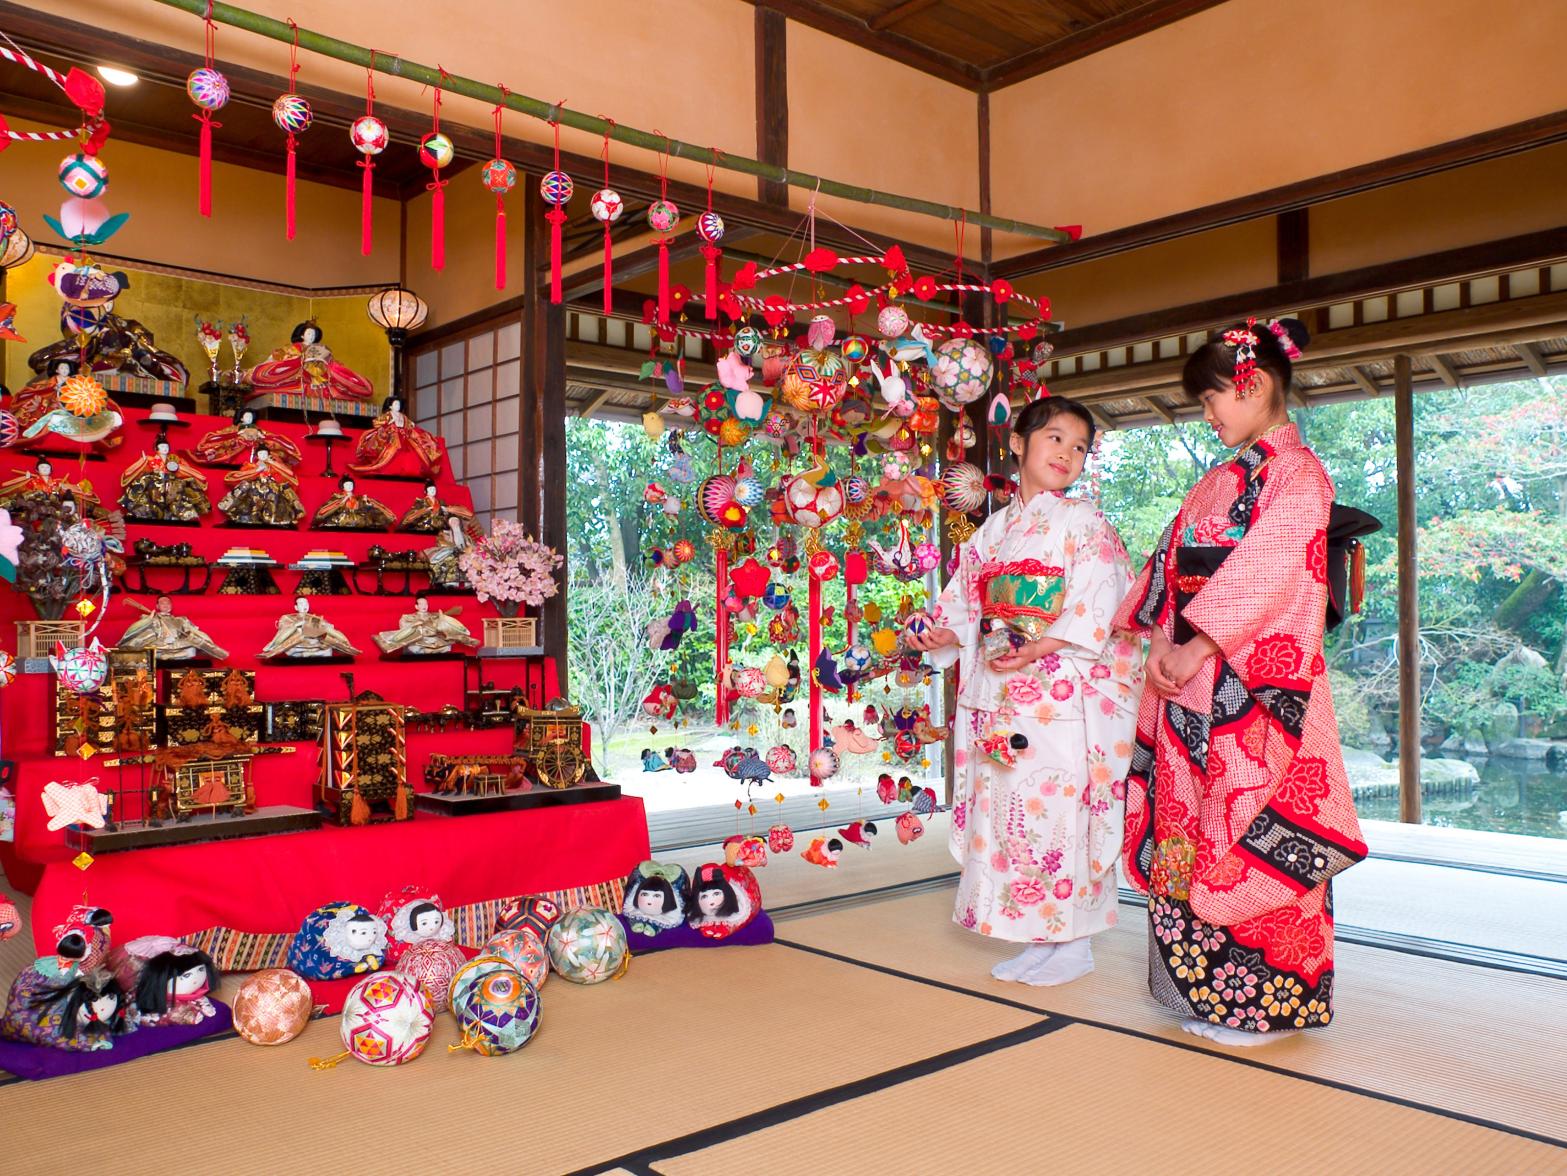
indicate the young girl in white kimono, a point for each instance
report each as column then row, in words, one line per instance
column 1047, row 705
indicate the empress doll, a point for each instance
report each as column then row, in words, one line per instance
column 306, row 367
column 396, row 447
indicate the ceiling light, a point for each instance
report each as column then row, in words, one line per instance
column 117, row 77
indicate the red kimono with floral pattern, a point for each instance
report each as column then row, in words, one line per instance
column 1238, row 810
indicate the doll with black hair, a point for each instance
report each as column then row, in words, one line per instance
column 172, row 981
column 655, row 897
column 263, row 492
column 351, row 509
column 395, row 447
column 428, row 514
column 72, row 1010
column 236, row 443
column 1238, row 808
column 723, row 899
column 306, row 368
column 1028, row 612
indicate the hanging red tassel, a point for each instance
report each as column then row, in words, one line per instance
column 288, row 191
column 710, row 287
column 663, row 280
column 369, row 136
column 500, row 243
column 366, row 205
column 607, row 207
column 557, row 219
column 209, row 90
column 609, row 272
column 292, row 115
column 438, row 225
column 662, row 217
column 499, row 177
column 204, row 199
column 435, row 152
column 710, row 227
column 556, row 188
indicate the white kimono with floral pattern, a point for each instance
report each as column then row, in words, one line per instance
column 1039, row 841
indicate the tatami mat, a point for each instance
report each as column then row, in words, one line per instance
column 1467, row 1040
column 686, row 1040
column 1085, row 1099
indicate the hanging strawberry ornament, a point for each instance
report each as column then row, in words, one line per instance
column 710, row 227
column 499, row 177
column 435, row 152
column 662, row 217
column 292, row 115
column 370, row 137
column 607, row 207
column 209, row 90
column 556, row 188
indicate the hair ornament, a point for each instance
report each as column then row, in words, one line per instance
column 1244, row 340
column 1291, row 348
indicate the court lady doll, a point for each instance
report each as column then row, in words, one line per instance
column 1238, row 809
column 396, row 447
column 1047, row 695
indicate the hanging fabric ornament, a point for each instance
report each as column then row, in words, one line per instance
column 607, row 208
column 435, row 152
column 369, row 137
column 292, row 115
column 209, row 90
column 662, row 217
column 499, row 177
column 556, row 188
column 710, row 227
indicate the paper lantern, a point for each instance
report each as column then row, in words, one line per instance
column 587, row 946
column 523, row 949
column 499, row 176
column 10, row 429
column 387, row 1019
column 892, row 321
column 207, row 88
column 813, row 380
column 824, row 763
column 83, row 396
column 291, row 114
column 607, row 206
column 710, row 227
column 556, row 188
column 272, row 1007
column 436, row 150
column 83, row 176
column 662, row 216
column 961, row 372
column 963, row 487
column 433, row 963
column 369, row 135
column 496, row 1009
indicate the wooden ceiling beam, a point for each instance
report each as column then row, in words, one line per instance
column 1530, row 354
column 1445, row 369
column 1101, row 34
column 598, row 402
column 901, row 49
column 897, row 12
column 1363, row 381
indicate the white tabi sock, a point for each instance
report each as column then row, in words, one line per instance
column 1031, row 956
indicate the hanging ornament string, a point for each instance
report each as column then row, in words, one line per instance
column 292, row 114
column 662, row 217
column 500, row 177
column 85, row 92
column 959, row 233
column 556, row 189
column 369, row 136
column 710, row 227
column 607, row 208
column 435, row 152
column 209, row 90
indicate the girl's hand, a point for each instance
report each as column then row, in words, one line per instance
column 1026, row 655
column 933, row 638
column 1182, row 662
column 1153, row 669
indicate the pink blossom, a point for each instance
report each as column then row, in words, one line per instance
column 1025, row 690
column 1028, row 891
column 998, row 862
column 1099, row 671
column 1063, row 889
column 1061, row 690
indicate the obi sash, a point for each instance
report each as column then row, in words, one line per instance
column 1193, row 567
column 1025, row 595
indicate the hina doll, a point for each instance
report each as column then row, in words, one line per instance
column 172, row 638
column 52, row 404
column 445, row 571
column 1238, row 809
column 303, row 634
column 413, row 916
column 236, row 443
column 306, row 368
column 655, row 898
column 159, row 488
column 66, row 1009
column 425, row 632
column 396, row 447
column 723, row 899
column 263, row 493
column 41, row 485
column 338, row 940
column 172, row 980
column 1046, row 703
column 428, row 514
column 348, row 510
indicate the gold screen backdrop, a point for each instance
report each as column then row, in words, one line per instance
column 168, row 304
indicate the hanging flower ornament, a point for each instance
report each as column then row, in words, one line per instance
column 209, row 90
column 499, row 177
column 556, row 188
column 292, row 115
column 607, row 208
column 370, row 137
column 435, row 152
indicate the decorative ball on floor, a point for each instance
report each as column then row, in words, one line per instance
column 523, row 949
column 433, row 963
column 587, row 946
column 272, row 1007
column 497, row 1011
column 387, row 1019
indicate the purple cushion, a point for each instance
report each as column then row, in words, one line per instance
column 40, row 1061
column 758, row 930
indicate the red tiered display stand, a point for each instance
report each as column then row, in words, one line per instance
column 269, row 883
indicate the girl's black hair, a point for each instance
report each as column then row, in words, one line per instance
column 240, row 412
column 1213, row 364
column 362, row 917
column 152, row 986
column 1036, row 414
column 342, row 483
column 298, row 334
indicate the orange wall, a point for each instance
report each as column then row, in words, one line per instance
column 1252, row 94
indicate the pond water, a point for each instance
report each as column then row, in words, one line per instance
column 1515, row 796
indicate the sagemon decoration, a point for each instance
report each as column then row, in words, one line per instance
column 723, row 899
column 961, row 371
column 522, row 948
column 497, row 1011
column 66, row 1009
column 272, row 1007
column 413, row 916
column 386, row 1021
column 171, row 980
column 336, row 941
column 433, row 963
column 656, row 894
column 587, row 946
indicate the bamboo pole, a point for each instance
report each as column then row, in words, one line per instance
column 1408, row 596
column 394, row 66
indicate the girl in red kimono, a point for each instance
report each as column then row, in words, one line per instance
column 1238, row 811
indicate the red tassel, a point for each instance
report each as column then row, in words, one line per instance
column 438, row 225
column 365, row 207
column 710, row 296
column 609, row 267
column 500, row 244
column 663, row 280
column 204, row 198
column 557, row 218
column 288, row 190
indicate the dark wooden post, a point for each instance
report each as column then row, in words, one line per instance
column 541, row 493
column 772, row 100
column 1408, row 597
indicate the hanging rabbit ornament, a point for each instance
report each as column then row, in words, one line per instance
column 435, row 152
column 499, row 177
column 209, row 90
column 292, row 115
column 607, row 208
column 662, row 217
column 370, row 137
column 556, row 188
